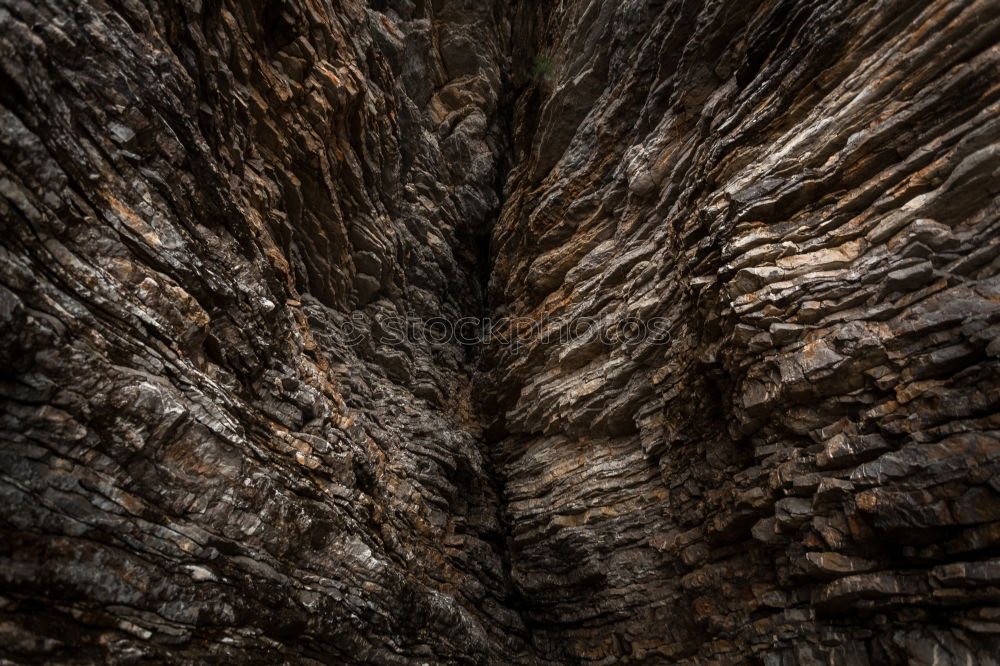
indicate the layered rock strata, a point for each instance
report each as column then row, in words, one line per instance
column 803, row 469
column 749, row 253
column 211, row 449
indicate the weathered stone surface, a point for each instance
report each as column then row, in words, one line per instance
column 806, row 194
column 771, row 228
column 203, row 455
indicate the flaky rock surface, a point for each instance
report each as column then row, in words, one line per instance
column 204, row 454
column 805, row 195
column 748, row 252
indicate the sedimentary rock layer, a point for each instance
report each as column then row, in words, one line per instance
column 203, row 455
column 804, row 195
column 749, row 252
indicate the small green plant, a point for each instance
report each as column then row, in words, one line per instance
column 542, row 68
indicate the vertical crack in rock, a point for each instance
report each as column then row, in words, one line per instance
column 748, row 253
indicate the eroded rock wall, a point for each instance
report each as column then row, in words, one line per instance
column 203, row 456
column 216, row 445
column 805, row 196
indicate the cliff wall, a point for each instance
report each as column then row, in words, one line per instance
column 739, row 398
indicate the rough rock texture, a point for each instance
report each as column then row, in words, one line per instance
column 806, row 195
column 195, row 461
column 216, row 446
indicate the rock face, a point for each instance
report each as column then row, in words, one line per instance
column 210, row 446
column 740, row 401
column 804, row 196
